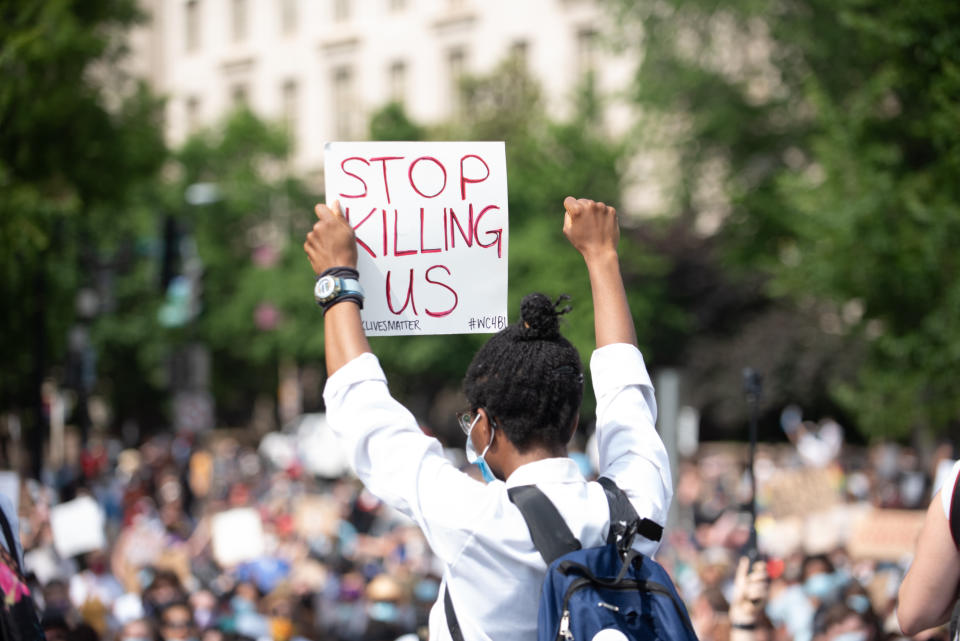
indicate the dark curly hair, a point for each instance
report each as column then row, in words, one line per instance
column 529, row 378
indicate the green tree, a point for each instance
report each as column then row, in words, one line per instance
column 76, row 137
column 240, row 218
column 833, row 129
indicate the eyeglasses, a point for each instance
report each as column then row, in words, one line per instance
column 465, row 420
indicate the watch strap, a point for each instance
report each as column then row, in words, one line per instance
column 348, row 286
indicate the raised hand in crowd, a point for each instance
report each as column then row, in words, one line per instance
column 750, row 590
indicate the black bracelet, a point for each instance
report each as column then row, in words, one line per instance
column 339, row 299
column 340, row 272
column 743, row 626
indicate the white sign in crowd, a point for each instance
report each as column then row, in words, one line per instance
column 432, row 234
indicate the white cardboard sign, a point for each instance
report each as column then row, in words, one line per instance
column 77, row 527
column 431, row 225
column 237, row 536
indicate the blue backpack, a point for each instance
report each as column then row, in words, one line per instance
column 609, row 587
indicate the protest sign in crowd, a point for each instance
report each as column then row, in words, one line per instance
column 185, row 538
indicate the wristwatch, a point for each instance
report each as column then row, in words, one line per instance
column 329, row 288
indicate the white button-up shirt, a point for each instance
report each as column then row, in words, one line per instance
column 492, row 569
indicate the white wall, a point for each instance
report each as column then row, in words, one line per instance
column 421, row 34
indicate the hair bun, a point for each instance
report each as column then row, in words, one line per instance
column 540, row 318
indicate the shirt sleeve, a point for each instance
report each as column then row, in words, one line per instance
column 397, row 462
column 946, row 492
column 631, row 452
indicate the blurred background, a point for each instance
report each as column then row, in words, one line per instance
column 787, row 177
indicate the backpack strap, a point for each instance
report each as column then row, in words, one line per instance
column 550, row 533
column 551, row 536
column 453, row 624
column 955, row 513
column 622, row 514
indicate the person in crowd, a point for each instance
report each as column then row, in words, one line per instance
column 84, row 631
column 163, row 588
column 55, row 627
column 750, row 589
column 840, row 622
column 821, row 581
column 176, row 622
column 56, row 598
column 524, row 388
column 137, row 630
column 928, row 594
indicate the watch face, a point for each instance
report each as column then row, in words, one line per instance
column 325, row 288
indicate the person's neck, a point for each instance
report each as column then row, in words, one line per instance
column 530, row 456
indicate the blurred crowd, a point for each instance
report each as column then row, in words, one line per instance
column 205, row 539
column 216, row 538
column 836, row 526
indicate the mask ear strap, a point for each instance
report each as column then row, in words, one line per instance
column 493, row 432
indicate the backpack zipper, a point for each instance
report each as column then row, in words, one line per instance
column 624, row 585
column 565, row 627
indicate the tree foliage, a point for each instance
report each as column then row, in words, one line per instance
column 76, row 138
column 240, row 249
column 833, row 130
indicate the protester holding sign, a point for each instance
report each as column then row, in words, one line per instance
column 524, row 388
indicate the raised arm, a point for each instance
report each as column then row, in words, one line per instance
column 382, row 440
column 332, row 243
column 594, row 231
column 631, row 452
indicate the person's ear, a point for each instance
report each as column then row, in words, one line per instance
column 484, row 422
column 483, row 429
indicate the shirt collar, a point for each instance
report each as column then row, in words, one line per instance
column 548, row 470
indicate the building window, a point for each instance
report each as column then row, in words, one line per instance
column 343, row 103
column 456, row 67
column 191, row 25
column 290, row 109
column 397, row 82
column 193, row 114
column 238, row 20
column 238, row 95
column 586, row 51
column 288, row 16
column 341, row 10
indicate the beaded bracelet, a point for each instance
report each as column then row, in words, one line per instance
column 340, row 272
